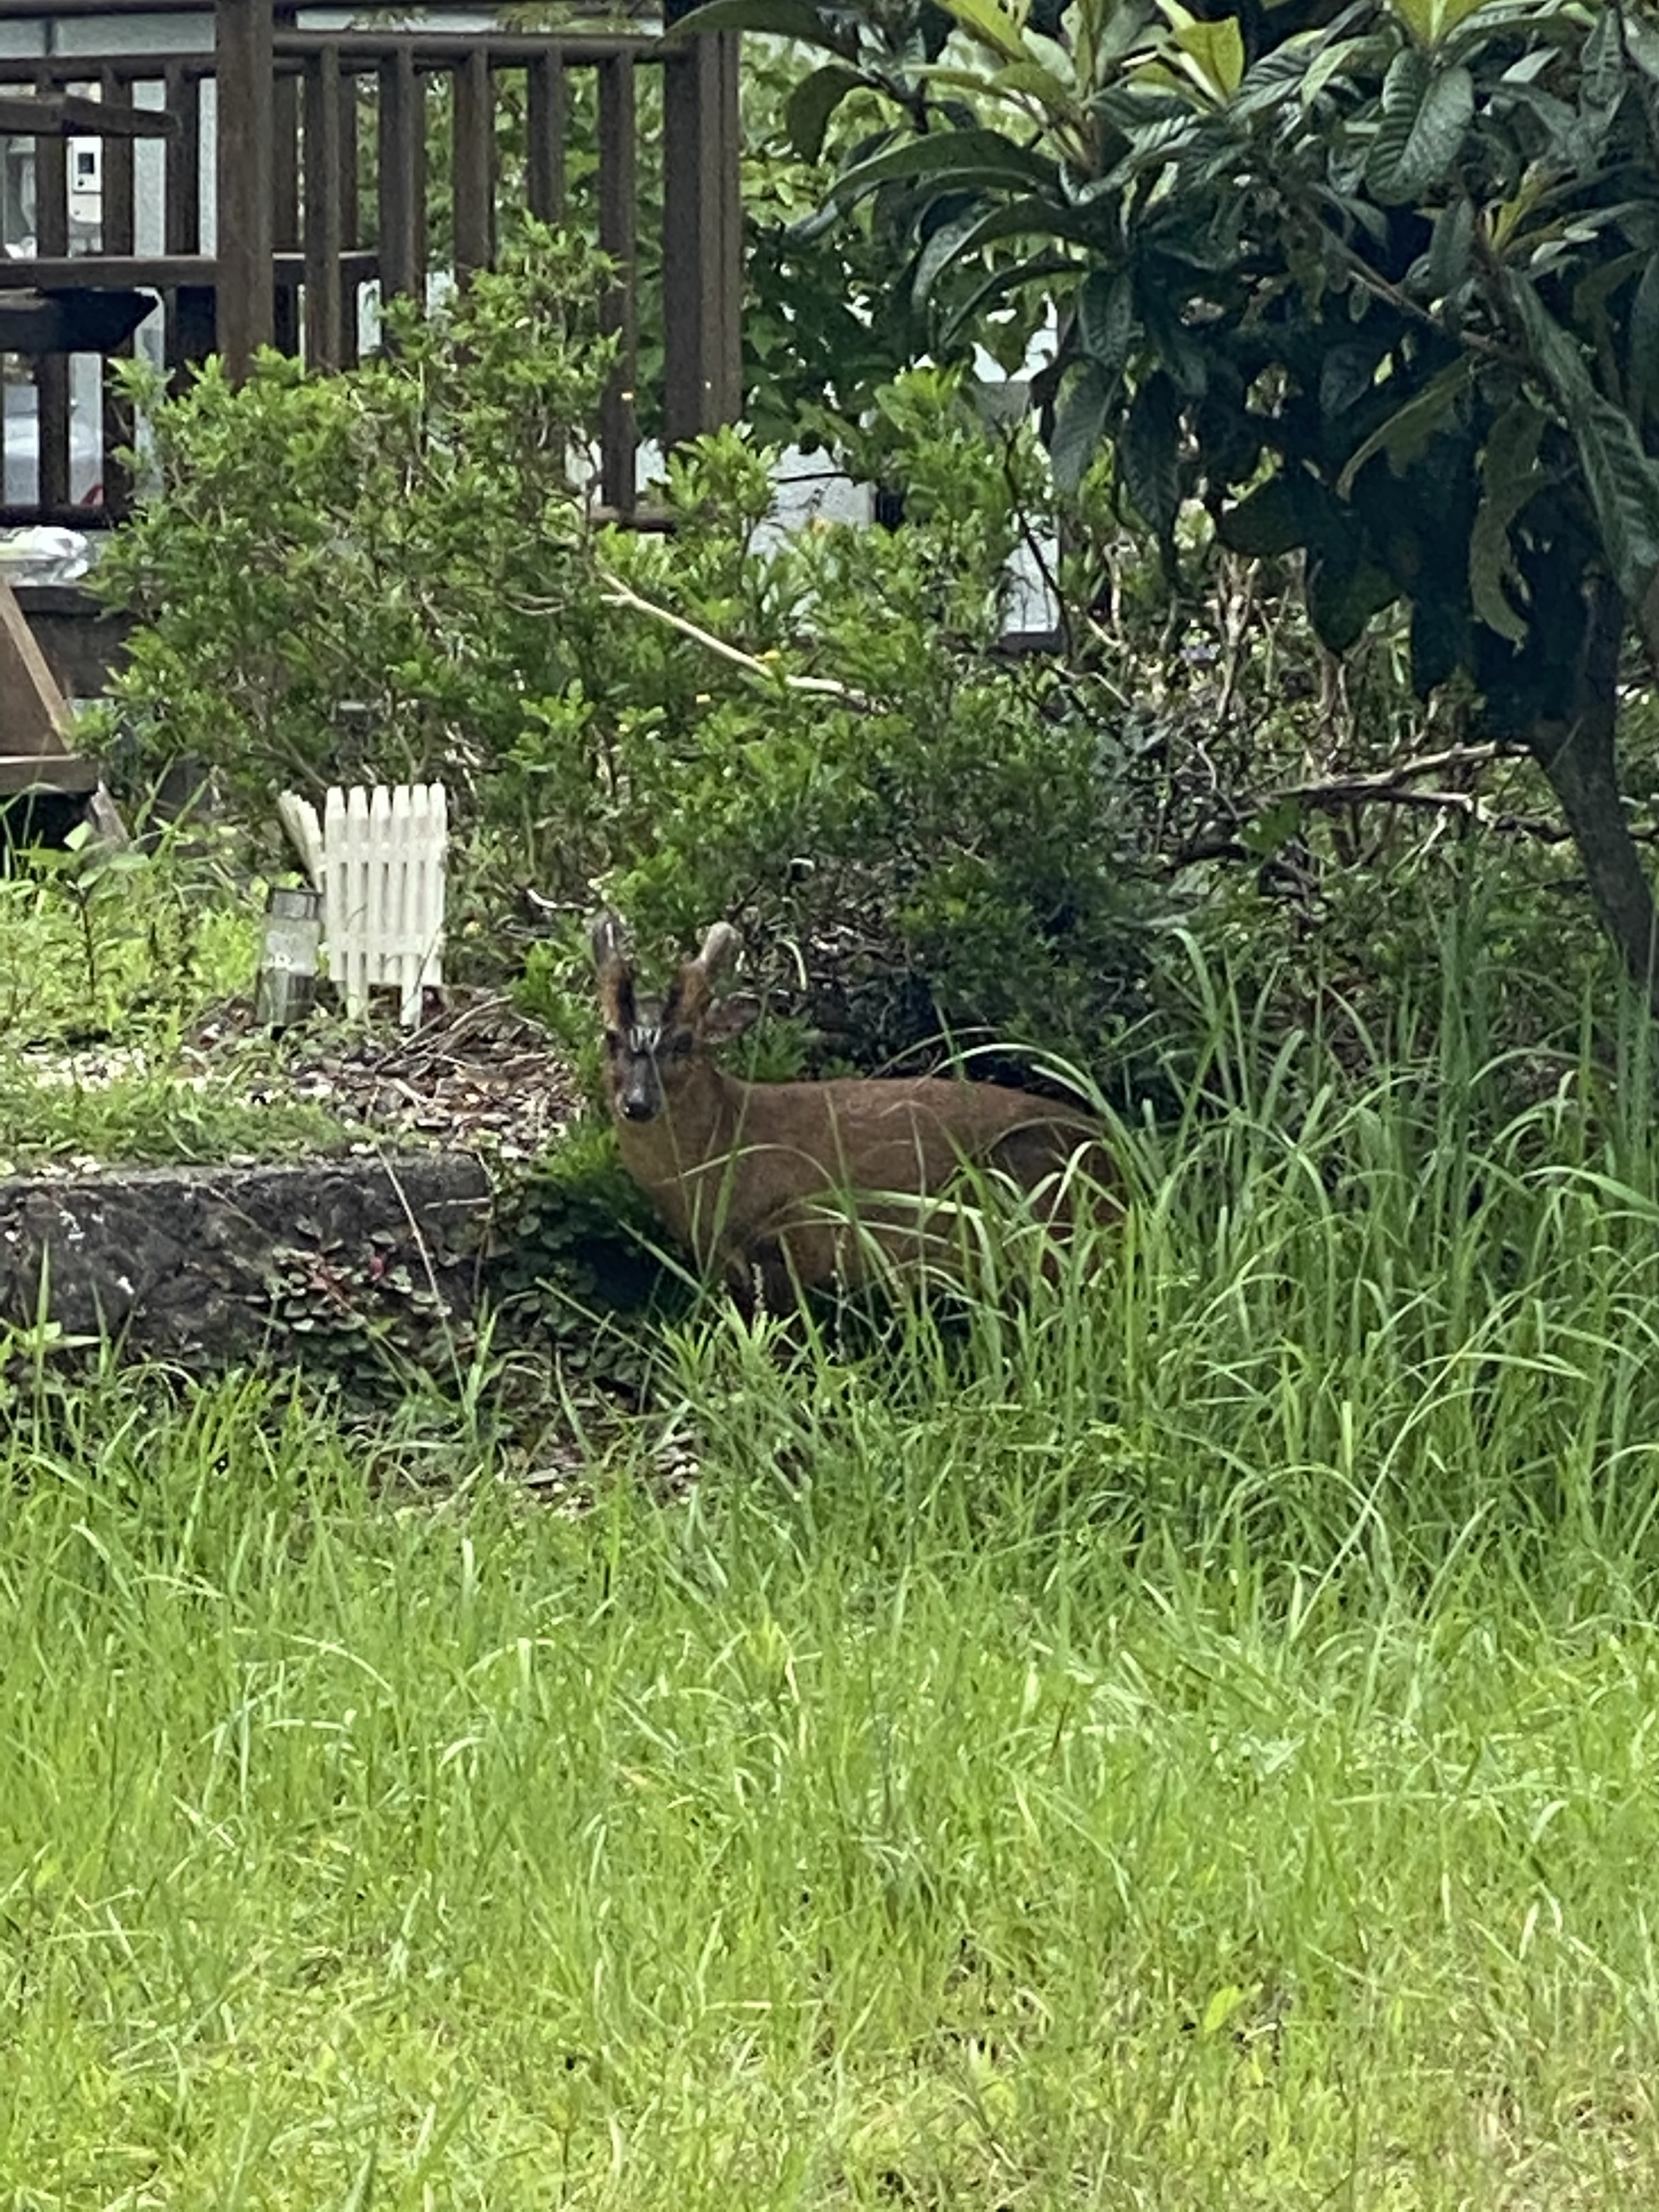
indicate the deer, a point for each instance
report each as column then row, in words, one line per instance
column 782, row 1189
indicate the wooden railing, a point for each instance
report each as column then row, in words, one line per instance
column 315, row 137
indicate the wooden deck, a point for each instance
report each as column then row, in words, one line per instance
column 313, row 184
column 318, row 162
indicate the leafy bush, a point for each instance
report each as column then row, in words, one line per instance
column 330, row 572
column 931, row 827
column 395, row 572
column 398, row 571
column 1377, row 284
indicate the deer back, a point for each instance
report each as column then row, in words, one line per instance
column 771, row 1191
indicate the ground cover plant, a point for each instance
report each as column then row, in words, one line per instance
column 108, row 959
column 1180, row 1735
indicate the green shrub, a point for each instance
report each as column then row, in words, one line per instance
column 398, row 571
column 394, row 572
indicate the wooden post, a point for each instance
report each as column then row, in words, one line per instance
column 475, row 164
column 544, row 131
column 51, row 370
column 618, row 311
column 325, row 210
column 117, row 237
column 246, row 168
column 702, row 234
column 403, row 179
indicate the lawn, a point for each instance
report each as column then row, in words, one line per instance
column 1183, row 1737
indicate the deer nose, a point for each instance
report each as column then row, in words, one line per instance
column 636, row 1110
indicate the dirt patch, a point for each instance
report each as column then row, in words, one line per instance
column 477, row 1074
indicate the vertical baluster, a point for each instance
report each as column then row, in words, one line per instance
column 189, row 316
column 351, row 222
column 285, row 127
column 475, row 164
column 52, row 371
column 618, row 237
column 323, row 214
column 403, row 179
column 117, row 236
column 545, row 119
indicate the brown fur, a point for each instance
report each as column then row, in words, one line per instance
column 747, row 1176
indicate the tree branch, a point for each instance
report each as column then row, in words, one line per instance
column 619, row 594
column 1399, row 786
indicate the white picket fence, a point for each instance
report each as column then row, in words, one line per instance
column 378, row 858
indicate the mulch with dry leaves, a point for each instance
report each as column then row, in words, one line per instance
column 477, row 1074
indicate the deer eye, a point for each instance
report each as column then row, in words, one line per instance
column 613, row 1042
column 681, row 1044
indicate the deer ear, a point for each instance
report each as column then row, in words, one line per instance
column 689, row 998
column 614, row 974
column 606, row 937
column 729, row 1018
column 720, row 943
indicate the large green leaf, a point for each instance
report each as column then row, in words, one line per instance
column 1079, row 424
column 1148, row 457
column 784, row 19
column 1278, row 77
column 1510, row 476
column 1350, row 59
column 1621, row 478
column 954, row 159
column 1602, row 58
column 979, row 226
column 1151, row 145
column 993, row 25
column 1430, row 22
column 807, row 112
column 1034, row 81
column 1212, row 52
column 1408, row 430
column 1426, row 114
column 1642, row 370
column 1641, row 37
column 1452, row 248
column 1106, row 317
column 1040, row 269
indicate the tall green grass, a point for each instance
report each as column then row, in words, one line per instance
column 1181, row 1736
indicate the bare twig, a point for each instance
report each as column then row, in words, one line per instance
column 1389, row 782
column 619, row 594
column 1400, row 786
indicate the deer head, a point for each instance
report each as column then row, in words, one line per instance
column 653, row 1046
